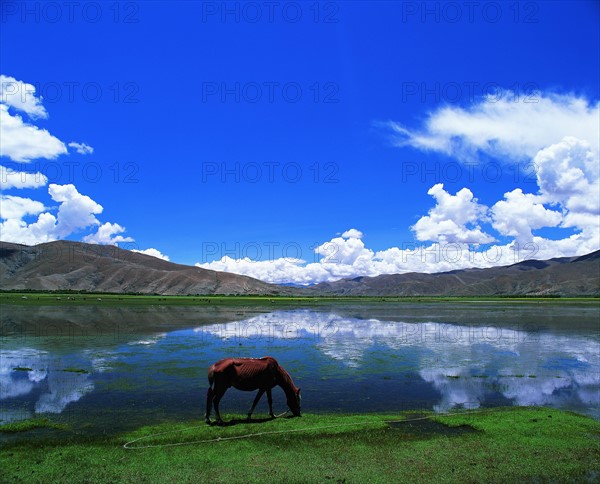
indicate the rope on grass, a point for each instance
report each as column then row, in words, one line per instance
column 272, row 432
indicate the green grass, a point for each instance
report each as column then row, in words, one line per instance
column 72, row 298
column 26, row 425
column 501, row 445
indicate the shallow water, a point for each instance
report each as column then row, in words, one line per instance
column 120, row 368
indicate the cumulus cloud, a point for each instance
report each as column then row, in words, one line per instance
column 24, row 142
column 349, row 258
column 520, row 213
column 558, row 134
column 352, row 234
column 21, row 140
column 345, row 249
column 340, row 257
column 278, row 271
column 568, row 172
column 20, row 232
column 12, row 207
column 81, row 148
column 75, row 212
column 153, row 252
column 454, row 218
column 20, row 179
column 107, row 234
column 21, row 96
column 504, row 126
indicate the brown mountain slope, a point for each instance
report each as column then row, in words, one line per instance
column 565, row 276
column 65, row 265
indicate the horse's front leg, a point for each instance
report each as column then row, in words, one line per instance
column 270, row 400
column 256, row 400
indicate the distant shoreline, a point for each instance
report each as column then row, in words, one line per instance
column 92, row 298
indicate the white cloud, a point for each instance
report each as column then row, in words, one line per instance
column 18, row 231
column 345, row 261
column 12, row 207
column 20, row 179
column 453, row 219
column 568, row 172
column 153, row 252
column 76, row 211
column 506, row 126
column 21, row 141
column 519, row 213
column 107, row 234
column 21, row 96
column 278, row 271
column 352, row 234
column 343, row 250
column 81, row 148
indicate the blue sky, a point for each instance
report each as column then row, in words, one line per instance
column 259, row 132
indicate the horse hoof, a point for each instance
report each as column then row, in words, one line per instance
column 207, row 420
column 219, row 422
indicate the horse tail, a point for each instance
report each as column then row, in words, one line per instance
column 210, row 393
column 211, row 376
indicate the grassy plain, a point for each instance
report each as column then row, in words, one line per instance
column 518, row 444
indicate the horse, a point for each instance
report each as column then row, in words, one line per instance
column 249, row 374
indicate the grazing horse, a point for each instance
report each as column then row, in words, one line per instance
column 250, row 374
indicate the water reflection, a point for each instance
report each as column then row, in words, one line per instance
column 33, row 372
column 343, row 363
column 465, row 364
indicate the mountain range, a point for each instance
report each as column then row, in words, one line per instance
column 75, row 266
column 564, row 276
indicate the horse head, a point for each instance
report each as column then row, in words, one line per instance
column 293, row 402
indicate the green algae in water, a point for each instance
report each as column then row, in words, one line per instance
column 74, row 370
column 30, row 424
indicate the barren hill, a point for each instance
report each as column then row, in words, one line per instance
column 565, row 276
column 65, row 265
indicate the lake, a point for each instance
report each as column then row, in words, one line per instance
column 108, row 369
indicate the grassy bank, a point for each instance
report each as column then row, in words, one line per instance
column 501, row 445
column 60, row 299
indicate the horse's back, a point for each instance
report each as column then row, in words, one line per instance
column 241, row 363
column 220, row 365
column 245, row 373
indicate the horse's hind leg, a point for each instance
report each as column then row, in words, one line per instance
column 209, row 402
column 256, row 400
column 218, row 394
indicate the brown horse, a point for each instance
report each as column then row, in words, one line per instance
column 250, row 374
